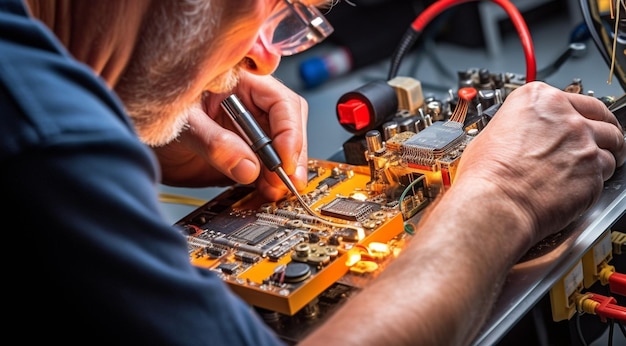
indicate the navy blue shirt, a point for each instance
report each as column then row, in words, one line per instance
column 89, row 257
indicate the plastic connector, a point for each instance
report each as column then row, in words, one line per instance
column 564, row 293
column 605, row 273
column 618, row 239
column 597, row 304
column 597, row 258
column 409, row 92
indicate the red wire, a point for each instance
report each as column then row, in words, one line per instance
column 617, row 283
column 438, row 7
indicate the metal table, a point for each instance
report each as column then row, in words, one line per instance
column 531, row 280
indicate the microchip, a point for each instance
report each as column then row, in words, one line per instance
column 349, row 209
column 246, row 257
column 433, row 142
column 438, row 136
column 329, row 182
column 253, row 234
column 228, row 268
column 215, row 252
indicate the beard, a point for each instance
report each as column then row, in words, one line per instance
column 160, row 118
column 159, row 86
column 225, row 82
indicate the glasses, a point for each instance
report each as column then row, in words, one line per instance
column 295, row 28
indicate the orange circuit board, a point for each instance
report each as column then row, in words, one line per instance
column 278, row 257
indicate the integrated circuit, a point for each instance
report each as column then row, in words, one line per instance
column 349, row 209
column 253, row 234
column 426, row 146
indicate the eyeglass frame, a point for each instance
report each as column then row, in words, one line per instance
column 299, row 27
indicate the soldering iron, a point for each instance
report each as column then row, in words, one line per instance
column 259, row 142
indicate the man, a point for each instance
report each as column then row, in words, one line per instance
column 98, row 261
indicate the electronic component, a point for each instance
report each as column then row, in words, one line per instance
column 425, row 147
column 349, row 209
column 279, row 258
column 563, row 293
column 409, row 93
column 367, row 107
column 594, row 260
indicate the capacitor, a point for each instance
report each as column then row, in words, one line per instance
column 390, row 129
column 484, row 79
column 374, row 142
column 296, row 272
column 487, row 98
column 433, row 108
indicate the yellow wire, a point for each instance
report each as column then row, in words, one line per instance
column 179, row 199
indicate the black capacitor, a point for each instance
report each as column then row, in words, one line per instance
column 487, row 98
column 297, row 272
column 381, row 104
column 498, row 81
column 314, row 238
column 484, row 76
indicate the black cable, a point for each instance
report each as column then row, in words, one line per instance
column 579, row 330
column 621, row 327
column 611, row 323
column 407, row 41
column 573, row 49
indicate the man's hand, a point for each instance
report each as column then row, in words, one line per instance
column 211, row 152
column 548, row 152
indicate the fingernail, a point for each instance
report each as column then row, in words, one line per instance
column 244, row 172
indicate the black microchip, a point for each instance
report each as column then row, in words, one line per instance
column 349, row 209
column 215, row 252
column 330, row 182
column 246, row 257
column 253, row 234
column 228, row 268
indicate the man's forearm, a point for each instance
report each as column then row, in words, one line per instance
column 445, row 282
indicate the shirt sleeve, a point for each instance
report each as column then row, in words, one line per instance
column 97, row 261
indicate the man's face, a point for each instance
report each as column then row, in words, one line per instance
column 185, row 48
column 188, row 47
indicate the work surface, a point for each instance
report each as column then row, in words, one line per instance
column 532, row 280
